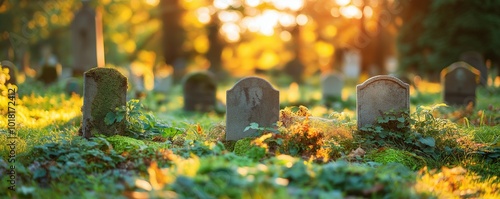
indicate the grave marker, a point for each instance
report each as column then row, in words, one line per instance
column 87, row 40
column 380, row 94
column 199, row 92
column 50, row 73
column 295, row 69
column 12, row 72
column 476, row 60
column 251, row 100
column 104, row 90
column 459, row 81
column 332, row 85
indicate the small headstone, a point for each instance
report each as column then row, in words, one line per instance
column 163, row 84
column 199, row 92
column 251, row 100
column 104, row 90
column 332, row 85
column 74, row 85
column 476, row 60
column 295, row 69
column 378, row 95
column 50, row 73
column 352, row 63
column 459, row 82
column 87, row 40
column 12, row 72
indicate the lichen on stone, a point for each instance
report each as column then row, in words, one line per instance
column 110, row 86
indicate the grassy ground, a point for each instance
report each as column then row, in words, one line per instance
column 316, row 152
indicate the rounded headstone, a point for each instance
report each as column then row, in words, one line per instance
column 251, row 100
column 199, row 92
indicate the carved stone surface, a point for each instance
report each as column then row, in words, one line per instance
column 251, row 100
column 380, row 94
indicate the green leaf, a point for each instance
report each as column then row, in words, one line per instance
column 119, row 117
column 401, row 119
column 40, row 172
column 429, row 141
column 110, row 118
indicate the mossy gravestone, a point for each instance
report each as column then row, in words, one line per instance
column 104, row 90
column 476, row 60
column 199, row 92
column 251, row 100
column 378, row 95
column 459, row 82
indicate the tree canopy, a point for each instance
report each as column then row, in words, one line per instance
column 434, row 33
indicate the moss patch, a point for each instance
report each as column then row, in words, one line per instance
column 393, row 155
column 229, row 144
column 245, row 147
column 123, row 143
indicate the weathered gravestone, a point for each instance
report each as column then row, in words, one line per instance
column 104, row 90
column 459, row 81
column 332, row 85
column 476, row 60
column 352, row 64
column 87, row 40
column 378, row 95
column 199, row 92
column 74, row 85
column 251, row 100
column 50, row 73
column 12, row 72
column 295, row 69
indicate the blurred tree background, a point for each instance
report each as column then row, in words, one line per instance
column 435, row 32
column 242, row 37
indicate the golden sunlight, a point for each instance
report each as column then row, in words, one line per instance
column 253, row 3
column 203, row 15
column 293, row 92
column 231, row 31
column 302, row 19
column 293, row 5
column 342, row 2
column 351, row 11
column 152, row 2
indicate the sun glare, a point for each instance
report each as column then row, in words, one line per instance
column 342, row 2
column 203, row 15
column 153, row 2
column 351, row 11
column 302, row 19
column 293, row 5
column 253, row 3
column 231, row 31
